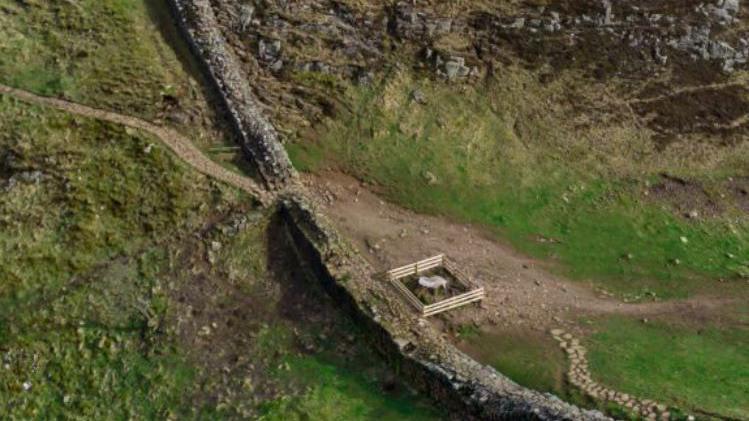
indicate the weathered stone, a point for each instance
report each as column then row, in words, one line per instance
column 259, row 138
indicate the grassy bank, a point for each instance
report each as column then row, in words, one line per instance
column 120, row 266
column 342, row 389
column 702, row 369
column 115, row 286
column 104, row 53
column 501, row 156
column 88, row 209
column 121, row 55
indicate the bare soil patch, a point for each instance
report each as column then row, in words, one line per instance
column 688, row 198
column 520, row 292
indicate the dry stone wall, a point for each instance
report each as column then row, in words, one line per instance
column 259, row 138
column 468, row 389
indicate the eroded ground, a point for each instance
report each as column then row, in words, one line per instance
column 524, row 302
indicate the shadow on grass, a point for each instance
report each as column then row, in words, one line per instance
column 163, row 17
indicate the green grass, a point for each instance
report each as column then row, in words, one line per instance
column 80, row 254
column 91, row 253
column 332, row 386
column 105, row 191
column 335, row 392
column 87, row 261
column 530, row 360
column 487, row 156
column 104, row 53
column 694, row 368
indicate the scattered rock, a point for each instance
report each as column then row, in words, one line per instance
column 269, row 51
column 418, row 97
column 456, row 68
column 430, row 178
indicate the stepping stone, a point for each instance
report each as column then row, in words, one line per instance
column 557, row 332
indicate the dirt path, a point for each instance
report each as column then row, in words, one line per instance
column 520, row 293
column 180, row 145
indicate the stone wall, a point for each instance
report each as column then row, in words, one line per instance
column 468, row 389
column 259, row 138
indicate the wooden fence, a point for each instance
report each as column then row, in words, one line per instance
column 473, row 292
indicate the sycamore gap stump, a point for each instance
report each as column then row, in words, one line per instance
column 434, row 285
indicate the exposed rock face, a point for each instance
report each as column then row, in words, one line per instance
column 259, row 138
column 275, row 44
column 652, row 28
column 298, row 58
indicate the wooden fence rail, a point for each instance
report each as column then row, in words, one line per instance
column 473, row 293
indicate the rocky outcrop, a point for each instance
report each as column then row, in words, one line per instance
column 468, row 389
column 258, row 136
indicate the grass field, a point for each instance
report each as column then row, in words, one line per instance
column 87, row 211
column 120, row 55
column 697, row 368
column 503, row 155
column 103, row 53
column 531, row 360
column 96, row 222
column 335, row 390
column 496, row 156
